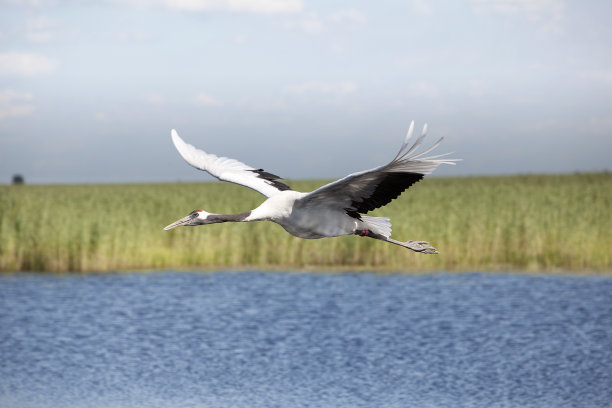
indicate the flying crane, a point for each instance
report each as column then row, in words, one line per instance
column 332, row 210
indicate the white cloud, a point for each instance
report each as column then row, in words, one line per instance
column 328, row 88
column 309, row 23
column 245, row 6
column 337, row 46
column 33, row 3
column 132, row 36
column 155, row 99
column 40, row 29
column 350, row 16
column 423, row 7
column 26, row 64
column 15, row 104
column 261, row 104
column 205, row 99
column 535, row 10
column 312, row 23
column 240, row 39
column 239, row 6
column 423, row 89
column 547, row 14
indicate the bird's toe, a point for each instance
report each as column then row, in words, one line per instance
column 422, row 247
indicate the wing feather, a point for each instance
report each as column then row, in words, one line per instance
column 227, row 169
column 367, row 190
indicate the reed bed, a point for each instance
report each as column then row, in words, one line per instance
column 528, row 222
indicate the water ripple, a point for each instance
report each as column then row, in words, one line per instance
column 249, row 339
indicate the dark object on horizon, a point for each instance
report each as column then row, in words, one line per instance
column 18, row 179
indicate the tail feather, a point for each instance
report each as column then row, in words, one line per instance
column 378, row 225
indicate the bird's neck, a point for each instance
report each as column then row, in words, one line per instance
column 214, row 218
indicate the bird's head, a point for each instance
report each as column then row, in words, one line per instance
column 196, row 217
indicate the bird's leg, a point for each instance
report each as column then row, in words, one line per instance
column 417, row 246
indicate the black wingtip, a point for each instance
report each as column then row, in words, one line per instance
column 389, row 188
column 272, row 178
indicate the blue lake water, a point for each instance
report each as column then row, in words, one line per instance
column 253, row 339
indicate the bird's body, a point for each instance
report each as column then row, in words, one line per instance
column 288, row 210
column 333, row 210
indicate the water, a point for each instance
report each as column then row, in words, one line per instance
column 251, row 339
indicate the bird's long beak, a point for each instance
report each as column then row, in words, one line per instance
column 183, row 221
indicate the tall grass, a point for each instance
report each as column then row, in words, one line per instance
column 477, row 223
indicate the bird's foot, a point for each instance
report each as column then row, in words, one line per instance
column 420, row 246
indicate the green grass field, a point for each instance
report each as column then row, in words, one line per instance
column 533, row 223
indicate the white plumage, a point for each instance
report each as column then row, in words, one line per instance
column 334, row 209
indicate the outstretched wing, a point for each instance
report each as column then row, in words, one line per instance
column 231, row 170
column 364, row 191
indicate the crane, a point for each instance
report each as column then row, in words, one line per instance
column 332, row 210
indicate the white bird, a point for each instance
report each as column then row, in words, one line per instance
column 332, row 210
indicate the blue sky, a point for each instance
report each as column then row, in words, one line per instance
column 89, row 90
